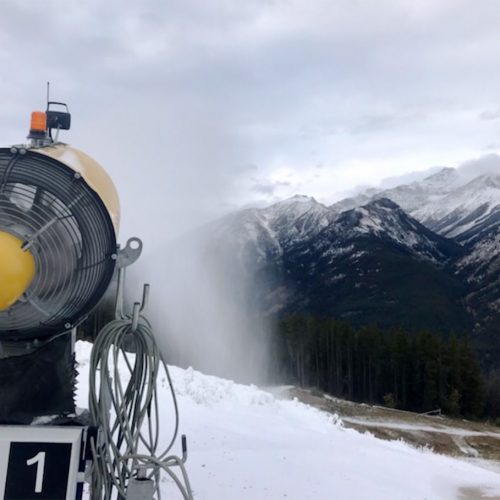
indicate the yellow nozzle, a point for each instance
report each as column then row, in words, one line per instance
column 17, row 269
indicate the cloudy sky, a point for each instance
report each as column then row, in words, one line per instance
column 198, row 107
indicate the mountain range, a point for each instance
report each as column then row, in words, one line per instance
column 423, row 255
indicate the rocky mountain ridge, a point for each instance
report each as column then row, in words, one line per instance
column 421, row 255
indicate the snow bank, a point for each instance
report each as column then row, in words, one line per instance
column 207, row 390
column 246, row 444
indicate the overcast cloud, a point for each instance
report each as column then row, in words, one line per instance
column 198, row 107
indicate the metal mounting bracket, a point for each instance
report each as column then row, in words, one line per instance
column 124, row 258
column 128, row 255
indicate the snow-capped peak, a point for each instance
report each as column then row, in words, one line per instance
column 463, row 208
column 385, row 219
column 297, row 205
column 298, row 198
column 445, row 175
column 297, row 215
column 446, row 202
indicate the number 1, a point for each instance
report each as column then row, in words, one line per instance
column 38, row 459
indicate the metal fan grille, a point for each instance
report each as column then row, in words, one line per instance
column 65, row 225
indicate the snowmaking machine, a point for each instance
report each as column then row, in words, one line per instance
column 59, row 220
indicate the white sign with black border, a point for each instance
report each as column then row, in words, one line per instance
column 39, row 463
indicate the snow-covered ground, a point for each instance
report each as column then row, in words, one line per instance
column 248, row 444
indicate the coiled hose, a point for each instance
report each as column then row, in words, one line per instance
column 123, row 404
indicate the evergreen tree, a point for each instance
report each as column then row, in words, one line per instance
column 419, row 372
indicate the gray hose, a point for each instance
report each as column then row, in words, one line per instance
column 124, row 406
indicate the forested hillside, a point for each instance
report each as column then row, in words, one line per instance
column 418, row 372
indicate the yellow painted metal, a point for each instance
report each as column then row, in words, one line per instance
column 17, row 269
column 95, row 176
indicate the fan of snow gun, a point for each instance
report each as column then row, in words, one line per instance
column 57, row 244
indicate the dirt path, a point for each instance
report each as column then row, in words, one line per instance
column 475, row 494
column 454, row 437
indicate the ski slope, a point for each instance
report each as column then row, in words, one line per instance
column 248, row 444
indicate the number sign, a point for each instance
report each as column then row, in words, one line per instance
column 38, row 470
column 39, row 463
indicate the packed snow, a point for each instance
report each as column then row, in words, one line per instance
column 249, row 444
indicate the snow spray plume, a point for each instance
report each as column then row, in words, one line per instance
column 204, row 310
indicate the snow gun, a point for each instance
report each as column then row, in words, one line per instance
column 59, row 220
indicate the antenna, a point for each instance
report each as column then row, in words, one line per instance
column 48, row 94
